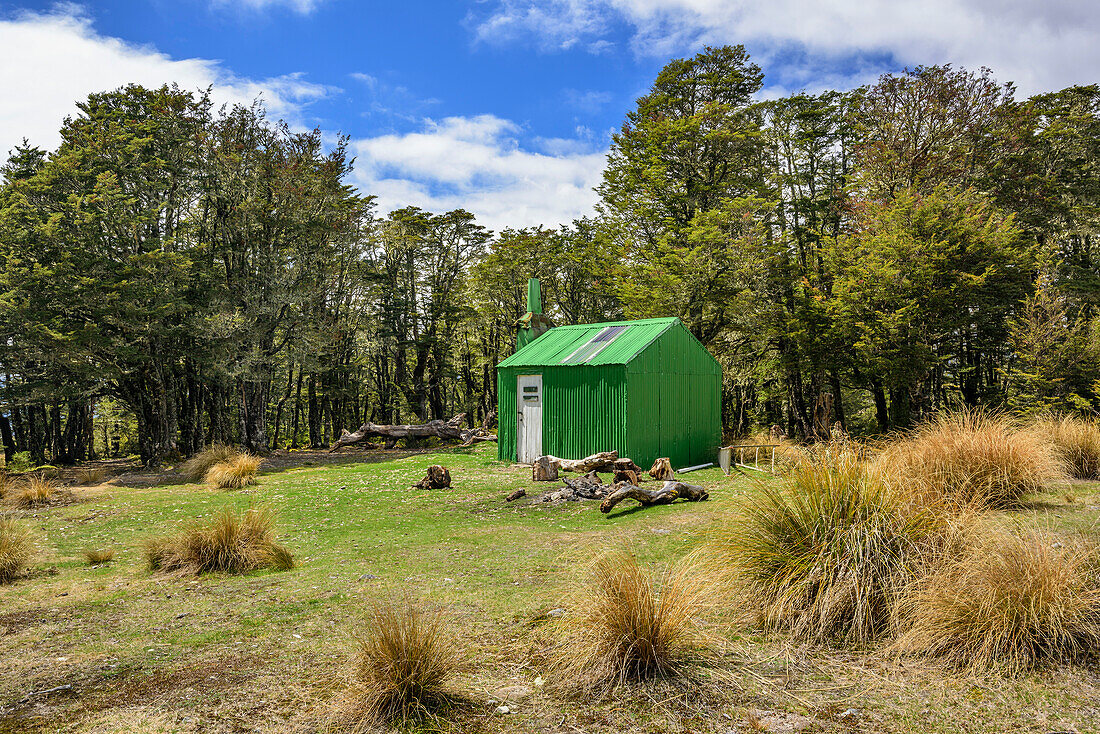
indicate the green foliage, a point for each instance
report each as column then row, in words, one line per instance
column 926, row 283
column 1056, row 357
column 20, row 462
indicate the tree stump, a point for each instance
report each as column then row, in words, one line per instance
column 627, row 471
column 438, row 477
column 662, row 469
column 545, row 469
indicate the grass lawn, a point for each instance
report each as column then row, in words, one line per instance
column 130, row 651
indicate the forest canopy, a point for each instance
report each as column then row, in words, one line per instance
column 175, row 275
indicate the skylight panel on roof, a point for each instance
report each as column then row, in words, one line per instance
column 587, row 351
column 609, row 333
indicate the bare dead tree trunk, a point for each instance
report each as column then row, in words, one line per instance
column 669, row 493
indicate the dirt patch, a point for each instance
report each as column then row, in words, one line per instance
column 14, row 622
column 88, row 692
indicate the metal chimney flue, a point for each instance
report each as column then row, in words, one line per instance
column 533, row 324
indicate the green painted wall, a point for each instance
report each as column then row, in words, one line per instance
column 664, row 401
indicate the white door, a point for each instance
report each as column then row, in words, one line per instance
column 529, row 418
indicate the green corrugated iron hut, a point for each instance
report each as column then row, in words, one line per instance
column 645, row 388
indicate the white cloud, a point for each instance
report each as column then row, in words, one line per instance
column 476, row 163
column 49, row 61
column 305, row 7
column 1039, row 45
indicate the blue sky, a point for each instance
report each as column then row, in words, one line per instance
column 504, row 107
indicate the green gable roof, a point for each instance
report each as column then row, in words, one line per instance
column 612, row 342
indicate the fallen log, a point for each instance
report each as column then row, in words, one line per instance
column 477, row 434
column 545, row 469
column 603, row 461
column 438, row 477
column 662, row 469
column 451, row 429
column 516, row 495
column 667, row 494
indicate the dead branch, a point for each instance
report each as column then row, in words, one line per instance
column 667, row 494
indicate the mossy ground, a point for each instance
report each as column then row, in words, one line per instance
column 266, row 651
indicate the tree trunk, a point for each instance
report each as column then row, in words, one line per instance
column 6, row 437
column 603, row 461
column 313, row 414
column 439, row 429
column 251, row 407
column 297, row 411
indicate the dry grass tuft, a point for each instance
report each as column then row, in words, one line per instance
column 1077, row 441
column 1008, row 602
column 231, row 543
column 196, row 467
column 624, row 626
column 405, row 663
column 236, row 473
column 37, row 492
column 16, row 549
column 96, row 557
column 6, row 484
column 90, row 475
column 823, row 556
column 970, row 459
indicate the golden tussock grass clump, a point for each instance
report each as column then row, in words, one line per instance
column 95, row 557
column 196, row 467
column 1008, row 602
column 232, row 543
column 87, row 475
column 824, row 555
column 6, row 484
column 406, row 662
column 16, row 549
column 236, row 473
column 970, row 458
column 1077, row 441
column 37, row 492
column 623, row 625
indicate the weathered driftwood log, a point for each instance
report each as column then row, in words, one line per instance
column 438, row 477
column 516, row 495
column 627, row 471
column 662, row 469
column 545, row 469
column 603, row 461
column 474, row 435
column 588, row 487
column 451, row 429
column 670, row 492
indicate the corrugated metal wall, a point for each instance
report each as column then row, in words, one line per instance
column 675, row 393
column 666, row 401
column 583, row 409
